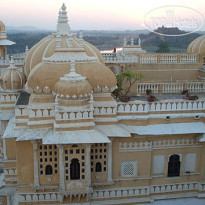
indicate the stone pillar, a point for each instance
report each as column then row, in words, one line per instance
column 88, row 165
column 8, row 199
column 36, row 177
column 109, row 177
column 61, row 167
column 4, row 149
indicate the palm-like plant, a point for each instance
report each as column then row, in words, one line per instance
column 125, row 81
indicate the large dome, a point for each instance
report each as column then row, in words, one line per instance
column 198, row 47
column 46, row 48
column 50, row 59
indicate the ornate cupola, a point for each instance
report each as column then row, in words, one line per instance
column 74, row 99
column 12, row 79
column 72, row 86
column 56, row 61
column 63, row 27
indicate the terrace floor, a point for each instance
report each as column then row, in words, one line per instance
column 174, row 96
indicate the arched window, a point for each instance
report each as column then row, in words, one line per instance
column 174, row 166
column 98, row 167
column 49, row 170
column 75, row 169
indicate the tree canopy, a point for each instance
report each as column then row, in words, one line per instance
column 163, row 47
column 125, row 81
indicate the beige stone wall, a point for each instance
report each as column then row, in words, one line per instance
column 160, row 73
column 11, row 148
column 202, row 162
column 25, row 162
column 144, row 160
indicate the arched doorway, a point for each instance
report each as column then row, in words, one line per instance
column 49, row 170
column 174, row 166
column 75, row 169
column 98, row 167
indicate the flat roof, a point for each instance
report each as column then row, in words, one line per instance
column 169, row 129
column 23, row 98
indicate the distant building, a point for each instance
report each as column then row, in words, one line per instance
column 66, row 140
column 3, row 40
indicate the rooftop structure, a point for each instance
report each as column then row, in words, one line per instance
column 3, row 40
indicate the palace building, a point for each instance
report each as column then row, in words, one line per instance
column 66, row 140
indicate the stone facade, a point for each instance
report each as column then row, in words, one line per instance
column 66, row 140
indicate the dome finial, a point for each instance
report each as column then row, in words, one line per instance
column 59, row 16
column 63, row 27
column 139, row 42
column 12, row 64
column 58, row 40
column 26, row 50
column 91, row 101
column 125, row 41
column 132, row 42
column 72, row 76
column 81, row 38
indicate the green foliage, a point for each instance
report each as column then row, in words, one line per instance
column 163, row 47
column 24, row 39
column 125, row 81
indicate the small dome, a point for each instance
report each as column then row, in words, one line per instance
column 47, row 46
column 2, row 27
column 198, row 47
column 12, row 79
column 72, row 86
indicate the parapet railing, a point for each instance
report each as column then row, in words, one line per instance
column 160, row 106
column 152, row 58
column 172, row 87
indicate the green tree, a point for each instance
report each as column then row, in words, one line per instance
column 163, row 47
column 125, row 81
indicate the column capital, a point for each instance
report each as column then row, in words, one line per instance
column 60, row 146
column 111, row 139
column 88, row 145
column 35, row 144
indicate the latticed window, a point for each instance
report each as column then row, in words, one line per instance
column 174, row 166
column 48, row 159
column 74, row 160
column 98, row 157
column 129, row 168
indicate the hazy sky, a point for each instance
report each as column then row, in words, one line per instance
column 86, row 14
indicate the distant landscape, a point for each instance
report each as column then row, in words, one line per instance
column 105, row 40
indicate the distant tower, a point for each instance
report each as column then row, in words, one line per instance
column 132, row 42
column 139, row 42
column 125, row 41
column 3, row 40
